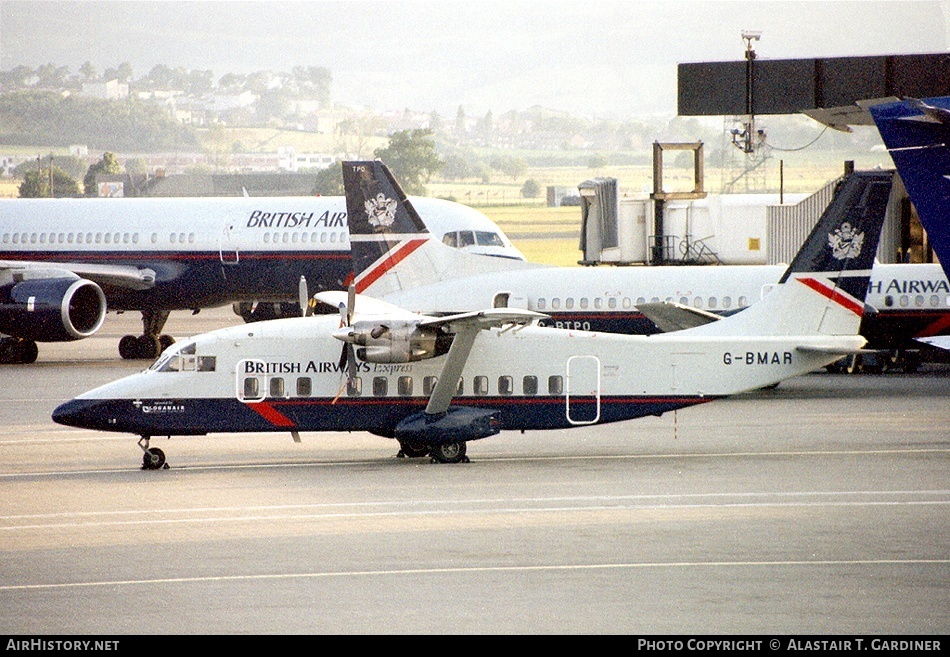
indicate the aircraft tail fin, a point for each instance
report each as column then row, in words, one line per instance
column 917, row 135
column 823, row 290
column 392, row 248
column 384, row 226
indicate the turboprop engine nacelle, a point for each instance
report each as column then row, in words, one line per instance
column 394, row 341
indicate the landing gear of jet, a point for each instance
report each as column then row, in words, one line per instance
column 413, row 449
column 265, row 310
column 151, row 343
column 153, row 458
column 449, row 453
column 16, row 351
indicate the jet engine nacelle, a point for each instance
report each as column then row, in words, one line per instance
column 51, row 309
column 397, row 341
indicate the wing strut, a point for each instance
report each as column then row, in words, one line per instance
column 447, row 384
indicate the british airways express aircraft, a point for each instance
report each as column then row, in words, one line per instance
column 436, row 383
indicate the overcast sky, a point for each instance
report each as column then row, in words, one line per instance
column 594, row 58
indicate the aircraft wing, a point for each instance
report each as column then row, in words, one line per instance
column 123, row 276
column 485, row 319
column 671, row 316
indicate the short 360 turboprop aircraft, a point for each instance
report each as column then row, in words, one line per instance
column 435, row 383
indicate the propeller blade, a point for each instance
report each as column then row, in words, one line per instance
column 350, row 303
column 344, row 359
column 303, row 296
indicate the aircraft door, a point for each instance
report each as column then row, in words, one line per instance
column 250, row 381
column 583, row 390
column 228, row 245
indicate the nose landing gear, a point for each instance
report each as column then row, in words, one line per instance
column 153, row 458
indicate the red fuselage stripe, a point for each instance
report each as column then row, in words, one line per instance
column 271, row 414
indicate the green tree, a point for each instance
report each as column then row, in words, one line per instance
column 530, row 188
column 412, row 158
column 108, row 164
column 329, row 182
column 36, row 184
column 509, row 165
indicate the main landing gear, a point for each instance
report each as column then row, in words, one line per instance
column 151, row 343
column 453, row 452
column 154, row 458
column 16, row 351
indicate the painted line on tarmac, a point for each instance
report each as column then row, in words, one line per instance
column 476, row 569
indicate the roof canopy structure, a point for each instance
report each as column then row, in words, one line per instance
column 792, row 86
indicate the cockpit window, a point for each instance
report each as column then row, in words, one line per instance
column 450, row 239
column 466, row 238
column 486, row 238
column 184, row 360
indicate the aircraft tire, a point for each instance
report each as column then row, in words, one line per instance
column 153, row 459
column 14, row 351
column 147, row 347
column 449, row 453
column 413, row 449
column 28, row 352
column 128, row 346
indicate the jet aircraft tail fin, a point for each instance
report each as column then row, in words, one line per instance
column 917, row 135
column 391, row 246
column 824, row 287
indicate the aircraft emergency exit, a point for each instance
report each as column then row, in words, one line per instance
column 436, row 383
column 65, row 262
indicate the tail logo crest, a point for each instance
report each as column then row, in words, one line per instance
column 381, row 212
column 845, row 242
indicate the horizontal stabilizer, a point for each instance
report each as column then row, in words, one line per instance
column 366, row 305
column 843, row 351
column 939, row 341
column 671, row 316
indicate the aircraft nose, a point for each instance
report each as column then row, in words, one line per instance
column 82, row 413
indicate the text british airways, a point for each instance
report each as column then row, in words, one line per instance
column 261, row 219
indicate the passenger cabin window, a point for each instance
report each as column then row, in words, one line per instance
column 354, row 387
column 480, row 385
column 428, row 385
column 404, row 386
column 304, row 386
column 505, row 385
column 380, row 386
column 251, row 388
column 276, row 387
column 555, row 385
column 529, row 385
